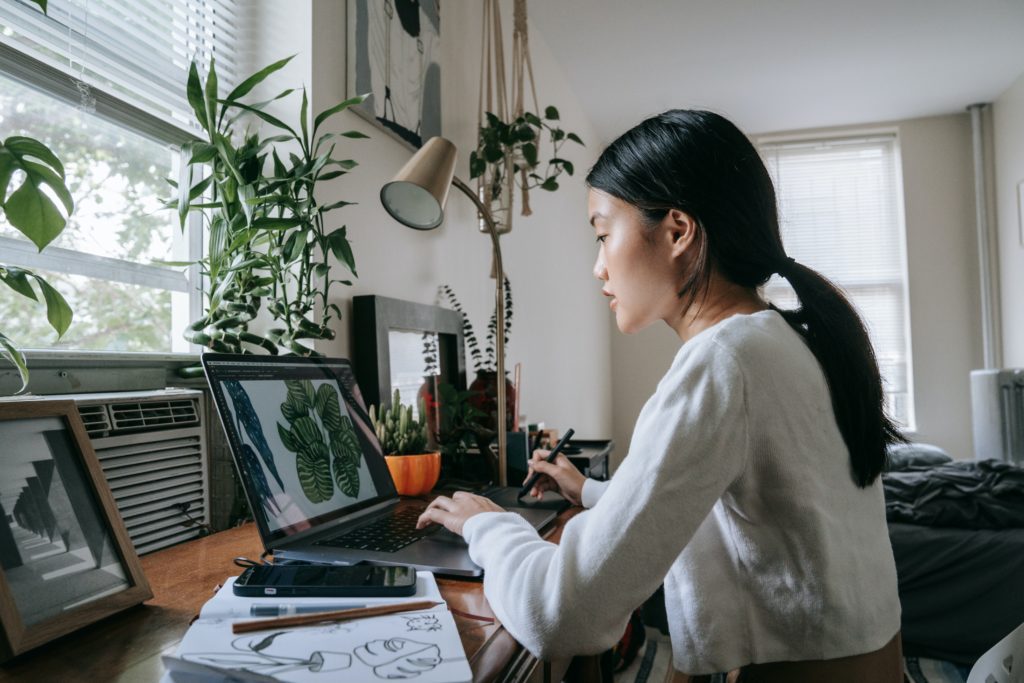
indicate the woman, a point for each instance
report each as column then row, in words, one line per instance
column 751, row 484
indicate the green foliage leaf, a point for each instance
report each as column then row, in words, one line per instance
column 272, row 120
column 493, row 153
column 22, row 147
column 303, row 118
column 550, row 113
column 286, row 438
column 251, row 82
column 42, row 5
column 331, row 111
column 194, row 92
column 575, row 138
column 342, row 250
column 550, row 185
column 57, row 310
column 202, row 152
column 305, row 432
column 211, row 97
column 9, row 351
column 312, row 464
column 33, row 213
column 530, row 154
column 292, row 411
column 268, row 223
column 328, row 408
column 17, row 279
column 347, row 453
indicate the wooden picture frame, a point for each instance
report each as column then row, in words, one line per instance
column 66, row 560
column 376, row 318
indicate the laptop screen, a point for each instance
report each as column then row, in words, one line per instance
column 301, row 438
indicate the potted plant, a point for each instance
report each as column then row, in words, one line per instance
column 508, row 154
column 484, row 387
column 403, row 438
column 31, row 211
column 270, row 238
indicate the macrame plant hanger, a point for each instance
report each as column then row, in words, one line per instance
column 494, row 97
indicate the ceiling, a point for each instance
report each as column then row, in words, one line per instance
column 777, row 65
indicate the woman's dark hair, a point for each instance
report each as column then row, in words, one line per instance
column 700, row 163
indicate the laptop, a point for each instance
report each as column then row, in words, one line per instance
column 313, row 471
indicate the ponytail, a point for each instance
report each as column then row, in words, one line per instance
column 700, row 163
column 836, row 336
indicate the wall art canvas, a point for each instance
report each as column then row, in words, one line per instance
column 394, row 56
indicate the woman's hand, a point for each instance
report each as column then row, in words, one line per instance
column 452, row 513
column 560, row 475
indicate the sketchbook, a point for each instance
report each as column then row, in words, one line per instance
column 422, row 647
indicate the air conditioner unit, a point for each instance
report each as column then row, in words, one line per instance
column 997, row 407
column 152, row 448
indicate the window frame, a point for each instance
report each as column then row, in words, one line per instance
column 853, row 134
column 55, row 83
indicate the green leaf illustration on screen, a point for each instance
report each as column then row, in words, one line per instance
column 324, row 441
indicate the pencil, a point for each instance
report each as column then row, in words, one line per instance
column 321, row 617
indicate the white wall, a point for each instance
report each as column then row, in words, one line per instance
column 1008, row 124
column 943, row 284
column 560, row 332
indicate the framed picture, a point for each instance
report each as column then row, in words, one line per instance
column 394, row 55
column 65, row 557
column 406, row 346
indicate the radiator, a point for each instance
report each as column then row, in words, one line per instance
column 152, row 448
column 997, row 407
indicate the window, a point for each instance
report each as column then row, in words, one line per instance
column 102, row 83
column 841, row 213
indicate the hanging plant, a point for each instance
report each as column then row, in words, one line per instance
column 513, row 148
column 510, row 137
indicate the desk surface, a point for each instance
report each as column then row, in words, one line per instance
column 127, row 646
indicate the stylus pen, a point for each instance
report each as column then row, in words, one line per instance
column 551, row 458
column 287, row 610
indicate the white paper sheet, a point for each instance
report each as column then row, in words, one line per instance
column 421, row 646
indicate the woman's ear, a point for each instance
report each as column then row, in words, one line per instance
column 681, row 231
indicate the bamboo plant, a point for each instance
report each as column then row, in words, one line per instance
column 269, row 238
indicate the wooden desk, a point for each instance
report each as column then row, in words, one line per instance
column 127, row 647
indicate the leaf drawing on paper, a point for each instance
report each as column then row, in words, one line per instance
column 247, row 418
column 423, row 622
column 266, row 655
column 327, row 452
column 393, row 658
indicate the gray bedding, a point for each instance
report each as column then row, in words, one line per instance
column 961, row 590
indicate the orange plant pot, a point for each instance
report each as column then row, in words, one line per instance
column 414, row 475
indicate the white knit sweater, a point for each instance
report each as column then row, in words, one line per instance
column 737, row 494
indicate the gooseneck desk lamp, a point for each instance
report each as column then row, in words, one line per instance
column 416, row 198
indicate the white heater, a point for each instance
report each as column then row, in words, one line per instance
column 997, row 409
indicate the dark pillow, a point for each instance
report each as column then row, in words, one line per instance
column 904, row 456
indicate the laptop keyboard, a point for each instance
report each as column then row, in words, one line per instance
column 384, row 535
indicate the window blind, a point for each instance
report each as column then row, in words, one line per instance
column 134, row 52
column 840, row 213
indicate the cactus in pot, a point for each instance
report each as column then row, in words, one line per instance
column 403, row 439
column 397, row 430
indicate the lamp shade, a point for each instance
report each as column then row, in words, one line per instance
column 416, row 196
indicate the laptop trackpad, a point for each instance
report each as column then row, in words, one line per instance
column 537, row 518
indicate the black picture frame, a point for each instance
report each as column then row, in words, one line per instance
column 375, row 317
